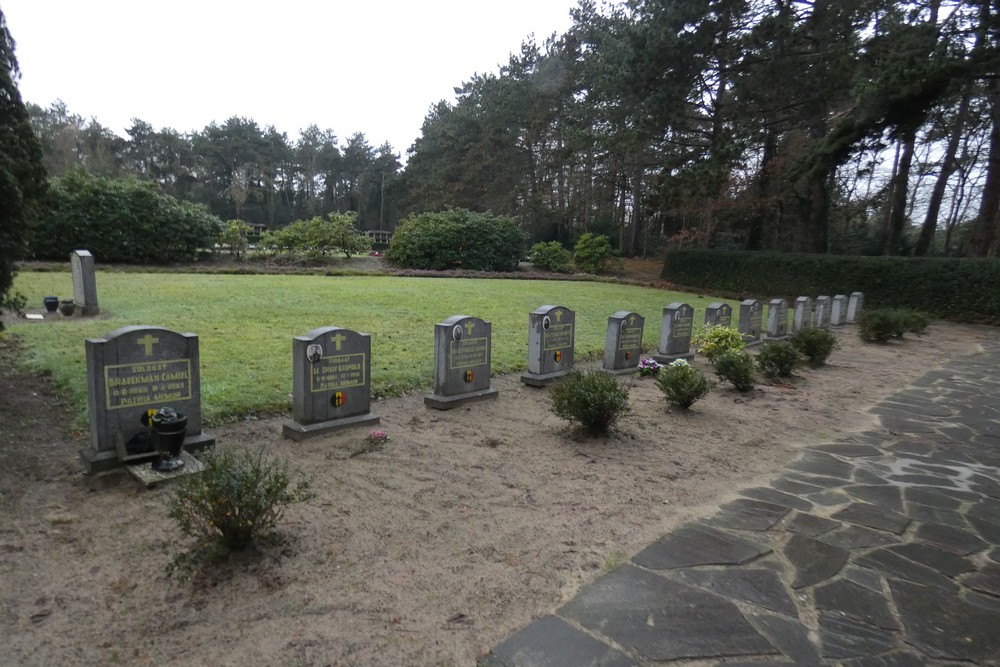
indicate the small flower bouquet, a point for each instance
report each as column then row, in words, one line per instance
column 649, row 367
column 377, row 437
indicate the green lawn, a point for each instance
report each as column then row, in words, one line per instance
column 245, row 324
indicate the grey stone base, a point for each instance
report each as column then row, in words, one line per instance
column 299, row 432
column 144, row 471
column 776, row 339
column 667, row 358
column 541, row 379
column 103, row 461
column 449, row 402
column 754, row 343
column 621, row 371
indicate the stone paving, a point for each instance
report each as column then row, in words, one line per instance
column 879, row 549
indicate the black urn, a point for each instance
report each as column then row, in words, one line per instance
column 168, row 438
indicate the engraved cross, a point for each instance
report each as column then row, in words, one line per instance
column 148, row 341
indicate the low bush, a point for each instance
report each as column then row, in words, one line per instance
column 815, row 344
column 594, row 399
column 736, row 367
column 682, row 384
column 237, row 500
column 551, row 256
column 778, row 359
column 456, row 239
column 714, row 341
column 881, row 324
column 592, row 253
column 315, row 239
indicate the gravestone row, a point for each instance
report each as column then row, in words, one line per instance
column 135, row 371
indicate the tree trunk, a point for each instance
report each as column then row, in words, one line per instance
column 984, row 226
column 637, row 221
column 948, row 166
column 898, row 192
column 755, row 228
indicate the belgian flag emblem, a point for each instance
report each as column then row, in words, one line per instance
column 469, row 376
column 339, row 399
column 558, row 356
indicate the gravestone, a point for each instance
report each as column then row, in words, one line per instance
column 462, row 354
column 675, row 333
column 551, row 337
column 838, row 311
column 84, row 282
column 777, row 319
column 751, row 318
column 719, row 315
column 331, row 383
column 822, row 312
column 854, row 305
column 130, row 372
column 623, row 343
column 802, row 318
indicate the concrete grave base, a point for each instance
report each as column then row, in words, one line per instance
column 621, row 371
column 541, row 379
column 775, row 339
column 144, row 471
column 103, row 461
column 450, row 402
column 667, row 358
column 299, row 432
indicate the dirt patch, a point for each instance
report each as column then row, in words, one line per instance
column 428, row 551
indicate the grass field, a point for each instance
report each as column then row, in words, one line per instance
column 245, row 324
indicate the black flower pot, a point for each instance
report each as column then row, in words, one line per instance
column 51, row 303
column 67, row 307
column 168, row 438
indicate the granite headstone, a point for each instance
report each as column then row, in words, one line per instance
column 777, row 319
column 675, row 333
column 854, row 305
column 551, row 337
column 623, row 343
column 838, row 311
column 802, row 318
column 822, row 312
column 751, row 319
column 462, row 356
column 84, row 282
column 719, row 315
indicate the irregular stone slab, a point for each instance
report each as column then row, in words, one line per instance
column 922, row 514
column 927, row 480
column 986, row 427
column 819, row 480
column 849, row 449
column 990, row 530
column 870, row 579
column 873, row 517
column 895, row 659
column 943, row 626
column 893, row 564
column 931, row 498
column 661, row 619
column 987, row 508
column 808, row 524
column 949, row 538
column 746, row 514
column 829, row 498
column 820, row 463
column 904, row 425
column 778, row 498
column 984, row 601
column 912, row 447
column 985, row 485
column 935, row 469
column 888, row 497
column 814, row 561
column 945, row 562
column 753, row 585
column 870, row 478
column 987, row 580
column 857, row 602
column 856, row 537
column 790, row 636
column 698, row 545
column 846, row 638
column 552, row 642
column 995, row 555
column 795, row 486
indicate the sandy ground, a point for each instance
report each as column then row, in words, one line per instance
column 460, row 530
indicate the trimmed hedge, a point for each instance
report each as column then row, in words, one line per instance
column 964, row 290
column 456, row 239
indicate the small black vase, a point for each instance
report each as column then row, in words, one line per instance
column 51, row 303
column 168, row 438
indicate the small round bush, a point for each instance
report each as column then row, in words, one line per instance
column 778, row 359
column 551, row 256
column 815, row 344
column 915, row 321
column 880, row 324
column 736, row 367
column 682, row 384
column 592, row 252
column 594, row 399
column 713, row 341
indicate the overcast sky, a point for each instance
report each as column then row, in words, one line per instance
column 371, row 66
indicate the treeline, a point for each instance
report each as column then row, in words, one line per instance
column 821, row 126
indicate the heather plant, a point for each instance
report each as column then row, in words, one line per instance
column 736, row 367
column 682, row 384
column 594, row 399
column 778, row 359
column 815, row 344
column 713, row 341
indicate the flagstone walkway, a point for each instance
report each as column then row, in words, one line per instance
column 878, row 549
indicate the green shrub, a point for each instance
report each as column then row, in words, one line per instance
column 682, row 384
column 317, row 238
column 778, row 359
column 713, row 341
column 457, row 239
column 238, row 499
column 736, row 367
column 14, row 303
column 592, row 252
column 881, row 324
column 234, row 238
column 594, row 399
column 915, row 321
column 551, row 256
column 815, row 344
column 120, row 220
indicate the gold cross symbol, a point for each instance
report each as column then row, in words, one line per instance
column 631, row 320
column 559, row 316
column 470, row 326
column 148, row 341
column 338, row 340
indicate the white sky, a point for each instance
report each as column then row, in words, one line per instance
column 371, row 66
